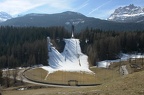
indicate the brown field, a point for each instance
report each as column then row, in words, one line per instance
column 131, row 84
column 60, row 77
column 112, row 83
column 36, row 74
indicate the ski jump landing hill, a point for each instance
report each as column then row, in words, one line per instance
column 71, row 59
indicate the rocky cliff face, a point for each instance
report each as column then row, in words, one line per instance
column 4, row 16
column 129, row 13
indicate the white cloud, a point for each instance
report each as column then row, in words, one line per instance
column 15, row 7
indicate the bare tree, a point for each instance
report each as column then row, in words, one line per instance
column 0, row 90
column 7, row 78
column 1, row 79
column 14, row 74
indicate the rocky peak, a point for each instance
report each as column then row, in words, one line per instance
column 4, row 16
column 125, row 13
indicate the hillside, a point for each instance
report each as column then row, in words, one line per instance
column 131, row 84
column 66, row 18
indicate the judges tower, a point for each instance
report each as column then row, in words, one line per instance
column 72, row 32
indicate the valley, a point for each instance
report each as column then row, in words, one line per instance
column 70, row 53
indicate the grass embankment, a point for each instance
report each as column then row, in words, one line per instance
column 83, row 78
column 101, row 75
column 37, row 74
column 131, row 84
column 60, row 77
column 112, row 82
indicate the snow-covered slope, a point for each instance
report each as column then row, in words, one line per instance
column 4, row 16
column 129, row 13
column 124, row 57
column 71, row 59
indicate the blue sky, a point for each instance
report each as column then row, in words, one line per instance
column 92, row 8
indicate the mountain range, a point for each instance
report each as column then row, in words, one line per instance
column 127, row 18
column 127, row 14
column 4, row 16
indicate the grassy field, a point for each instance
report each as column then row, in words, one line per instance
column 61, row 77
column 131, row 84
column 112, row 82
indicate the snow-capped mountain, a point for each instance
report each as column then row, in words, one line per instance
column 129, row 13
column 4, row 16
column 67, row 18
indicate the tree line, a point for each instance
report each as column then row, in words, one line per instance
column 107, row 45
column 27, row 46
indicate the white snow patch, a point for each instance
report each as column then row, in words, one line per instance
column 104, row 64
column 71, row 59
column 124, row 57
column 124, row 70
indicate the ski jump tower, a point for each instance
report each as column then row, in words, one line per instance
column 72, row 32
